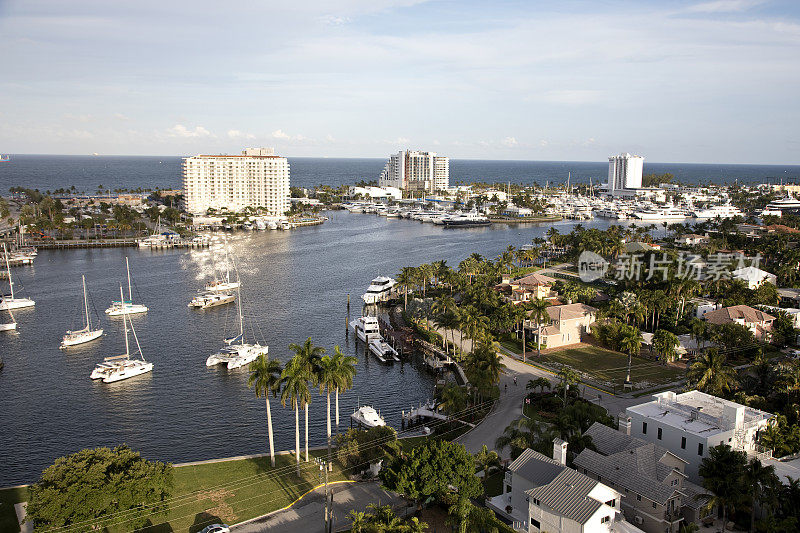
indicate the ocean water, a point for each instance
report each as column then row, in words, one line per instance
column 86, row 173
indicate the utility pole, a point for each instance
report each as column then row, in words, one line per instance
column 323, row 465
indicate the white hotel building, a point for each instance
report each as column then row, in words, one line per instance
column 625, row 174
column 257, row 178
column 412, row 170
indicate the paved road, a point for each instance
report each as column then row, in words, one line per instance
column 509, row 407
column 308, row 515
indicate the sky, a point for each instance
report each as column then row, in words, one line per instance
column 704, row 81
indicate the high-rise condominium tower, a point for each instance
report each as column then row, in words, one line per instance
column 258, row 178
column 412, row 170
column 625, row 172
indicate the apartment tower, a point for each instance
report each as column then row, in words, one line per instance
column 257, row 178
column 624, row 172
column 412, row 170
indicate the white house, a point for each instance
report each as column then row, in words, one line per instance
column 542, row 494
column 793, row 312
column 690, row 423
column 754, row 277
column 517, row 211
column 703, row 306
column 692, row 239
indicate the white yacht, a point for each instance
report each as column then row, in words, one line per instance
column 661, row 213
column 10, row 301
column 721, row 211
column 211, row 299
column 366, row 328
column 466, row 220
column 86, row 334
column 238, row 353
column 380, row 290
column 382, row 350
column 126, row 307
column 368, row 416
column 788, row 205
column 121, row 367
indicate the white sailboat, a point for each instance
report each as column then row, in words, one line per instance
column 8, row 302
column 126, row 307
column 9, row 326
column 121, row 367
column 237, row 353
column 223, row 285
column 85, row 334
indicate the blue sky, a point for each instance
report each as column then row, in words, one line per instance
column 675, row 81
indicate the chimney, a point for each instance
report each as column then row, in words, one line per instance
column 624, row 423
column 560, row 451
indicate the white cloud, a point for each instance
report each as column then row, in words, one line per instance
column 724, row 6
column 509, row 141
column 179, row 130
column 572, row 96
column 330, row 138
column 79, row 118
column 280, row 134
column 335, row 20
column 121, row 116
column 236, row 134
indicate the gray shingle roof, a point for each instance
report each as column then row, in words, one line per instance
column 609, row 441
column 690, row 492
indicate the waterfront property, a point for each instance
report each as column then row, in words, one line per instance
column 534, row 286
column 543, row 494
column 758, row 322
column 690, row 423
column 568, row 324
column 257, row 179
column 656, row 495
column 754, row 277
column 416, row 171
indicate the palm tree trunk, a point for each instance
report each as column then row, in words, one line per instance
column 329, row 425
column 297, row 433
column 337, row 411
column 269, row 430
column 305, row 408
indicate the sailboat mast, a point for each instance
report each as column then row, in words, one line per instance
column 125, row 325
column 8, row 267
column 130, row 292
column 85, row 302
column 241, row 317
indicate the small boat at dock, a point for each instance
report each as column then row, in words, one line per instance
column 10, row 301
column 382, row 350
column 366, row 328
column 367, row 416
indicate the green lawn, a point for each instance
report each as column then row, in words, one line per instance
column 610, row 367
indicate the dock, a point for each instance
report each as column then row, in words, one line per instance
column 114, row 243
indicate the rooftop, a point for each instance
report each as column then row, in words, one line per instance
column 737, row 312
column 699, row 413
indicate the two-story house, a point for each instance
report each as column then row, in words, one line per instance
column 528, row 288
column 690, row 423
column 543, row 494
column 567, row 324
column 656, row 494
column 754, row 277
column 758, row 322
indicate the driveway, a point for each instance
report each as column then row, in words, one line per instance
column 308, row 515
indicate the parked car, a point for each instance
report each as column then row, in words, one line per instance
column 216, row 528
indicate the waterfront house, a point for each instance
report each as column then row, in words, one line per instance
column 656, row 494
column 692, row 239
column 754, row 277
column 568, row 324
column 543, row 494
column 758, row 322
column 690, row 423
column 527, row 288
column 703, row 306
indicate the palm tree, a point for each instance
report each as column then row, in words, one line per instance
column 538, row 383
column 345, row 371
column 357, row 520
column 568, row 377
column 327, row 379
column 631, row 343
column 711, row 374
column 486, row 459
column 265, row 376
column 307, row 357
column 540, row 316
column 295, row 391
column 757, row 478
column 452, row 398
column 405, row 280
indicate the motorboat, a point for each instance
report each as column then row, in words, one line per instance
column 783, row 206
column 123, row 306
column 367, row 416
column 366, row 328
column 721, row 211
column 119, row 367
column 661, row 213
column 238, row 352
column 11, row 301
column 380, row 290
column 382, row 350
column 86, row 334
column 211, row 299
column 466, row 220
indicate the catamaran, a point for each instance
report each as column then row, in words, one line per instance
column 86, row 334
column 9, row 301
column 237, row 353
column 121, row 367
column 126, row 307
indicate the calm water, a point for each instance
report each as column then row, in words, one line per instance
column 295, row 286
column 47, row 172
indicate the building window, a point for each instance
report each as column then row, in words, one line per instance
column 536, row 502
column 683, row 443
column 644, row 428
column 700, row 449
column 605, row 519
column 654, row 505
column 535, row 523
column 659, row 433
column 638, row 497
column 611, row 503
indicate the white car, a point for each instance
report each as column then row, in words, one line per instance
column 216, row 528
